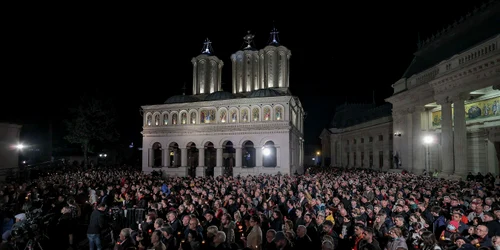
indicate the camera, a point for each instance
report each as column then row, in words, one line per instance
column 33, row 229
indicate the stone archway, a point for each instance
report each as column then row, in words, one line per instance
column 192, row 158
column 210, row 158
column 248, row 154
column 228, row 154
column 157, row 156
column 269, row 155
column 174, row 155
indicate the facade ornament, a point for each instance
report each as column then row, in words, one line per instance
column 207, row 47
column 249, row 39
column 274, row 40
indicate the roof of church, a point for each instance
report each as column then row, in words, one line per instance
column 463, row 34
column 269, row 92
column 219, row 95
column 180, row 99
column 351, row 114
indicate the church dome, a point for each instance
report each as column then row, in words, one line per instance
column 180, row 99
column 264, row 93
column 219, row 95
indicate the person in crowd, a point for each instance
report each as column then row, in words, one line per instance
column 96, row 227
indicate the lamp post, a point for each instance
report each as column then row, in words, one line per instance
column 428, row 141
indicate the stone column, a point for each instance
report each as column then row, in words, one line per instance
column 218, row 158
column 376, row 157
column 446, row 137
column 184, row 157
column 238, row 159
column 460, row 135
column 418, row 147
column 278, row 157
column 218, row 162
column 201, row 157
column 164, row 157
column 151, row 158
column 351, row 156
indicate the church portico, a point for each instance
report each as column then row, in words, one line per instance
column 202, row 155
column 448, row 112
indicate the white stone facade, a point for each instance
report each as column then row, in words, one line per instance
column 456, row 104
column 9, row 136
column 258, row 128
column 284, row 131
column 365, row 145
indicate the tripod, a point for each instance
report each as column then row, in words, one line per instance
column 32, row 244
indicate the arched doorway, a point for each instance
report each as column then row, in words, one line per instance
column 248, row 154
column 228, row 154
column 174, row 155
column 192, row 157
column 210, row 158
column 157, row 157
column 269, row 157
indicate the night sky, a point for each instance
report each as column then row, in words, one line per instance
column 340, row 52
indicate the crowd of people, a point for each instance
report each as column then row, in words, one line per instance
column 326, row 208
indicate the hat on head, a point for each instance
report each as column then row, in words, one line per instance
column 370, row 207
column 452, row 226
column 280, row 235
column 21, row 216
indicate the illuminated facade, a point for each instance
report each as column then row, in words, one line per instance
column 256, row 128
column 446, row 111
column 9, row 137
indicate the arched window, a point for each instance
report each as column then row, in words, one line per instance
column 165, row 119
column 267, row 113
column 255, row 114
column 157, row 119
column 174, row 119
column 278, row 113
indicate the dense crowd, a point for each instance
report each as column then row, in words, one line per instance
column 326, row 208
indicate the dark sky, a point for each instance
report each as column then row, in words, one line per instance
column 340, row 52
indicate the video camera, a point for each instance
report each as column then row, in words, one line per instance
column 34, row 227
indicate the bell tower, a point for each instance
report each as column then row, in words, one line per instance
column 207, row 71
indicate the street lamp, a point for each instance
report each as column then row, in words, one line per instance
column 428, row 141
column 20, row 146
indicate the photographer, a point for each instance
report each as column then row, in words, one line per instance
column 65, row 229
column 97, row 225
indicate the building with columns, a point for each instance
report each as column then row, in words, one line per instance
column 9, row 139
column 360, row 136
column 255, row 128
column 447, row 104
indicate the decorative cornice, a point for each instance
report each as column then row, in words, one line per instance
column 452, row 81
column 219, row 128
column 228, row 133
column 220, row 103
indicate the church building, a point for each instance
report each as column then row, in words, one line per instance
column 446, row 106
column 256, row 128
